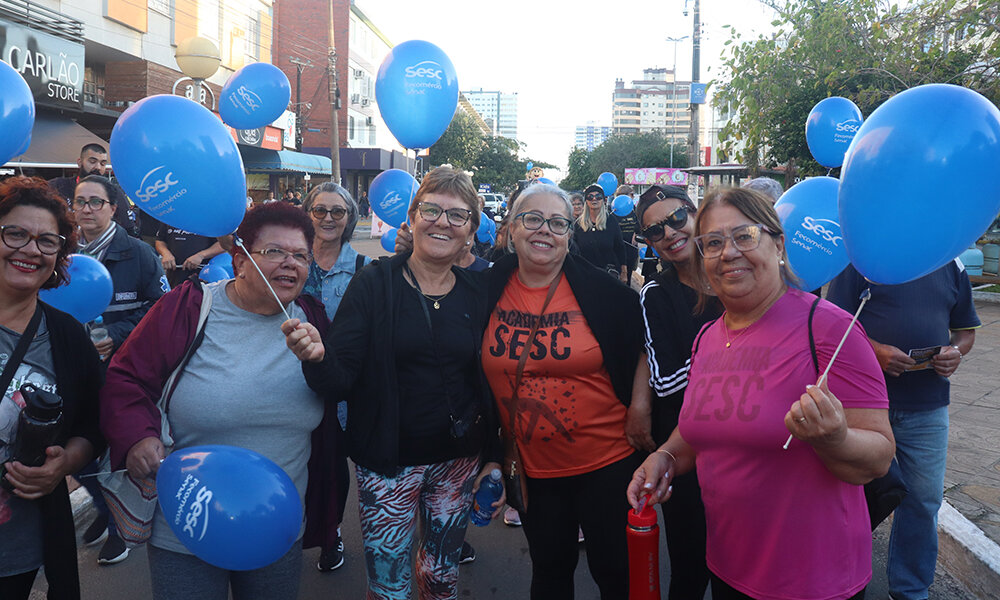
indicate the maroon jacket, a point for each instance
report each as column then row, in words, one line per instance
column 139, row 369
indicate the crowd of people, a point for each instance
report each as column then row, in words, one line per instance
column 430, row 368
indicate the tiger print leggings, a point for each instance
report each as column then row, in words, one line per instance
column 441, row 494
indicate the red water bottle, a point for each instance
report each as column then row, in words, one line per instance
column 643, row 536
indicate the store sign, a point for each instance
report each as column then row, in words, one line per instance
column 263, row 137
column 52, row 66
column 286, row 123
column 659, row 176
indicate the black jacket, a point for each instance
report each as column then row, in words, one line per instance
column 605, row 248
column 78, row 380
column 360, row 365
column 609, row 306
column 138, row 279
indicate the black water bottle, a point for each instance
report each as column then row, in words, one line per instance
column 38, row 427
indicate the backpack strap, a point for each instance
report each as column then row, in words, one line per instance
column 199, row 337
column 697, row 340
column 812, row 340
column 359, row 263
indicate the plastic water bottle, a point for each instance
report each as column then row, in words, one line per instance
column 489, row 492
column 38, row 427
column 643, row 535
column 98, row 332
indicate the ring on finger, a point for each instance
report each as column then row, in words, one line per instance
column 801, row 420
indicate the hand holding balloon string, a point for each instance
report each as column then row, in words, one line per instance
column 821, row 382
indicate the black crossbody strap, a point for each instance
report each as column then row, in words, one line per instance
column 21, row 349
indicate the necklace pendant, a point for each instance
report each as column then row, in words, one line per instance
column 728, row 344
column 437, row 305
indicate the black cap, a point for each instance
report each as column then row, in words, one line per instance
column 593, row 188
column 662, row 192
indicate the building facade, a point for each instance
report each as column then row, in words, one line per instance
column 656, row 103
column 498, row 110
column 590, row 136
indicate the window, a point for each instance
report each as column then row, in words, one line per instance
column 350, row 128
column 160, row 6
column 253, row 38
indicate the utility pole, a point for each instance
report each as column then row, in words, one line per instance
column 673, row 100
column 299, row 65
column 334, row 105
column 695, row 67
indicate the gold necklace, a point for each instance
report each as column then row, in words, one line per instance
column 725, row 327
column 435, row 299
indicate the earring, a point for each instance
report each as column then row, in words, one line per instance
column 781, row 262
column 468, row 242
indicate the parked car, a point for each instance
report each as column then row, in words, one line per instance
column 495, row 202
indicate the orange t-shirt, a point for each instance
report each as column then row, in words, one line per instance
column 569, row 420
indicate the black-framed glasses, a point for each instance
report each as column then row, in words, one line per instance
column 336, row 213
column 676, row 220
column 278, row 256
column 745, row 238
column 534, row 222
column 457, row 217
column 16, row 237
column 595, row 196
column 93, row 202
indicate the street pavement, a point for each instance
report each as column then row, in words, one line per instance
column 503, row 567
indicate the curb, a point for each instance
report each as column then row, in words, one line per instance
column 991, row 297
column 967, row 554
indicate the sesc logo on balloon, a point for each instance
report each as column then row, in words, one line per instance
column 846, row 130
column 150, row 189
column 429, row 73
column 816, row 226
column 199, row 507
column 391, row 201
column 246, row 100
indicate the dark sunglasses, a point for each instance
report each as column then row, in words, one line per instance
column 595, row 196
column 676, row 220
column 336, row 213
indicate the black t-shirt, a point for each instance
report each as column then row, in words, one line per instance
column 182, row 244
column 424, row 361
column 603, row 249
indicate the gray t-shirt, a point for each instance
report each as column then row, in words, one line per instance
column 21, row 520
column 243, row 387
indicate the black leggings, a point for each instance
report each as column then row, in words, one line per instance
column 17, row 587
column 594, row 501
column 723, row 591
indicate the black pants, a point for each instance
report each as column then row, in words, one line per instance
column 684, row 528
column 17, row 587
column 723, row 591
column 594, row 501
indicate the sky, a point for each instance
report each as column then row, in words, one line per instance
column 562, row 56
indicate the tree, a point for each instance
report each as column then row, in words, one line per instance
column 865, row 50
column 619, row 152
column 459, row 145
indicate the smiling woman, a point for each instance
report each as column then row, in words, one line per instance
column 52, row 352
column 240, row 387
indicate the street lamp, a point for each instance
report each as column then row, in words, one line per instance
column 198, row 58
column 673, row 99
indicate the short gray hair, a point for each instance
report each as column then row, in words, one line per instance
column 538, row 189
column 769, row 187
column 352, row 207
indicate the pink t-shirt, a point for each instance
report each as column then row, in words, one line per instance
column 780, row 525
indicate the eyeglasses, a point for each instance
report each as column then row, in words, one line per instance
column 676, row 220
column 93, row 202
column 18, row 237
column 336, row 213
column 745, row 238
column 278, row 256
column 432, row 212
column 534, row 222
column 595, row 196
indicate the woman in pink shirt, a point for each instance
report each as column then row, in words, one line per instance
column 783, row 524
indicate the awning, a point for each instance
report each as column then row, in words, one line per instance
column 261, row 160
column 55, row 143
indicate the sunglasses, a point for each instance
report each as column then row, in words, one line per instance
column 595, row 196
column 336, row 213
column 676, row 220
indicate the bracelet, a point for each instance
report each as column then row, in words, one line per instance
column 667, row 452
column 960, row 355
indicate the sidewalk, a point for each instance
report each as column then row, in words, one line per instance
column 970, row 533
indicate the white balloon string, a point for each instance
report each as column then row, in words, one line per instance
column 865, row 296
column 239, row 243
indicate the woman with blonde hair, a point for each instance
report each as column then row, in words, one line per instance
column 598, row 236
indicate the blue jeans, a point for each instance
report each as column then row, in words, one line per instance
column 921, row 449
column 91, row 485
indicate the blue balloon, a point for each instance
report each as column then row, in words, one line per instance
column 388, row 240
column 211, row 273
column 27, row 144
column 483, row 233
column 814, row 243
column 232, row 507
column 417, row 92
column 831, row 126
column 254, row 96
column 17, row 113
column 179, row 163
column 390, row 194
column 88, row 293
column 608, row 183
column 896, row 226
column 225, row 261
column 622, row 205
column 503, row 204
column 546, row 180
